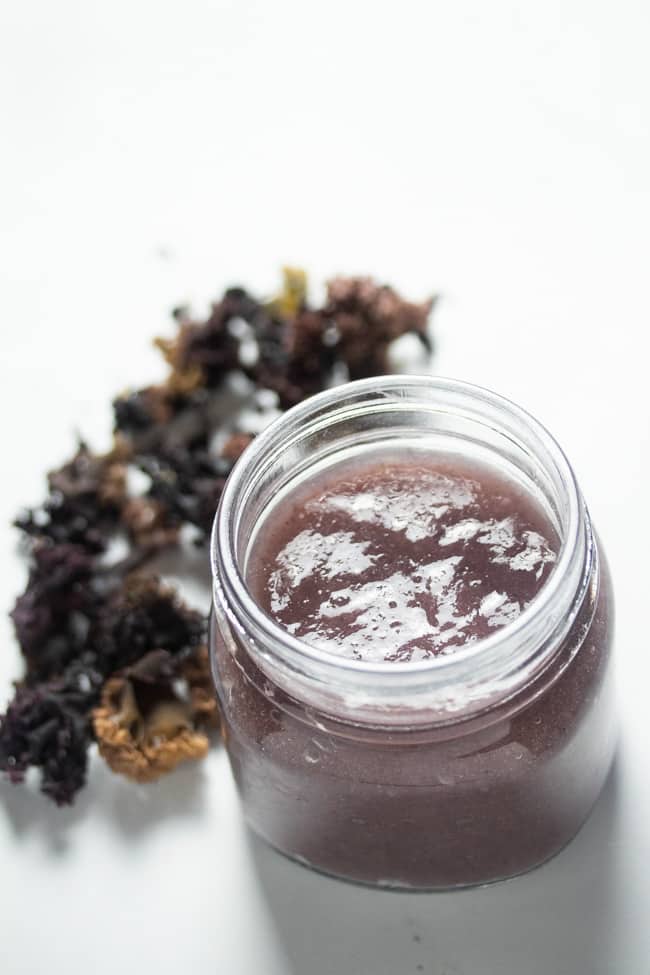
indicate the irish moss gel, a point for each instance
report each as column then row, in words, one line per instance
column 411, row 637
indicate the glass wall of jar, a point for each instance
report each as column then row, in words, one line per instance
column 455, row 770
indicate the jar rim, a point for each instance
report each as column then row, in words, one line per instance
column 515, row 649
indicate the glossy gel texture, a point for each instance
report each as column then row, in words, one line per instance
column 395, row 561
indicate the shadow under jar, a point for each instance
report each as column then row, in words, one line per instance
column 472, row 749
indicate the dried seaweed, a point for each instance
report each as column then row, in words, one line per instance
column 187, row 483
column 368, row 317
column 116, row 657
column 51, row 617
column 146, row 725
column 47, row 726
column 83, row 506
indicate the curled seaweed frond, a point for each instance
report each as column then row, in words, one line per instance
column 145, row 725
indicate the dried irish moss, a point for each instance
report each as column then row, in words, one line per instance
column 47, row 726
column 83, row 506
column 123, row 622
column 148, row 721
column 52, row 616
column 115, row 657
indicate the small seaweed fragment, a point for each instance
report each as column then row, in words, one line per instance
column 137, row 411
column 368, row 317
column 204, row 353
column 187, row 484
column 293, row 296
column 150, row 524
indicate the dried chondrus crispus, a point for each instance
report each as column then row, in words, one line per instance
column 115, row 657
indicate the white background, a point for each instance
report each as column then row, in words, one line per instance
column 496, row 152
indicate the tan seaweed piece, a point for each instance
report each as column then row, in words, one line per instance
column 145, row 743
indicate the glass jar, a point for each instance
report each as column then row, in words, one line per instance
column 447, row 772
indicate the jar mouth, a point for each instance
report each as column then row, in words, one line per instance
column 515, row 650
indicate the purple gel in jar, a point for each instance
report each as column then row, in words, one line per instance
column 411, row 636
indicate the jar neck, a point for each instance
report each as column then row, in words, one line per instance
column 434, row 414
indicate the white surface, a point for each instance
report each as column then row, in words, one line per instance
column 154, row 152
